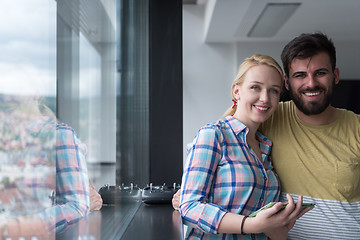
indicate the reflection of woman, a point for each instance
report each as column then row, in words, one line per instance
column 229, row 173
column 72, row 182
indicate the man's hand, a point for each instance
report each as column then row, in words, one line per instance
column 95, row 199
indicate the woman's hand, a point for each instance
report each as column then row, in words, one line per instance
column 176, row 200
column 95, row 199
column 275, row 223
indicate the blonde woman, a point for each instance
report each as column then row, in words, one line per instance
column 229, row 173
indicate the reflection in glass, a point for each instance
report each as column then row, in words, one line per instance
column 27, row 160
column 27, row 131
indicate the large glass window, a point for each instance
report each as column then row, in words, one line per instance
column 86, row 63
column 103, row 91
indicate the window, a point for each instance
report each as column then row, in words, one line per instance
column 107, row 69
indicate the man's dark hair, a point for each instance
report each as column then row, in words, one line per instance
column 307, row 45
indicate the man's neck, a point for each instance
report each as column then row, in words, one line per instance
column 328, row 116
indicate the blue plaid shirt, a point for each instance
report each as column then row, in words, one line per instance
column 223, row 175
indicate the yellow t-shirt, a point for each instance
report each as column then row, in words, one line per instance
column 316, row 161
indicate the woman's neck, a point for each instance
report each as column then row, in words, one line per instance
column 252, row 126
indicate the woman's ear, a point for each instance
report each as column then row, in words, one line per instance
column 235, row 91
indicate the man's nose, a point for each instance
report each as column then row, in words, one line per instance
column 311, row 81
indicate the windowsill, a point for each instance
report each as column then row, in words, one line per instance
column 134, row 221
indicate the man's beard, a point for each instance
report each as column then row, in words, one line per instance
column 312, row 108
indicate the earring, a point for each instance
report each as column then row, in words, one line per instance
column 235, row 102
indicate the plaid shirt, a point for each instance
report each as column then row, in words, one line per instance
column 72, row 181
column 223, row 175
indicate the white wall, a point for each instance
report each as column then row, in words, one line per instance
column 208, row 72
column 247, row 49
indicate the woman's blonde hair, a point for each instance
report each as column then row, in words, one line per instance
column 254, row 60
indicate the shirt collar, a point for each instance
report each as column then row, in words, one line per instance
column 236, row 125
column 239, row 127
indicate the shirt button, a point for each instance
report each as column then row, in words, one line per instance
column 261, row 199
column 265, row 179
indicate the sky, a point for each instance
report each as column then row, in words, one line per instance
column 28, row 47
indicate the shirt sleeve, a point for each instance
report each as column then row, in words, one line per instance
column 202, row 162
column 72, row 180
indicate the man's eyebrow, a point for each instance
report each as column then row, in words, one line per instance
column 298, row 72
column 322, row 70
column 317, row 70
